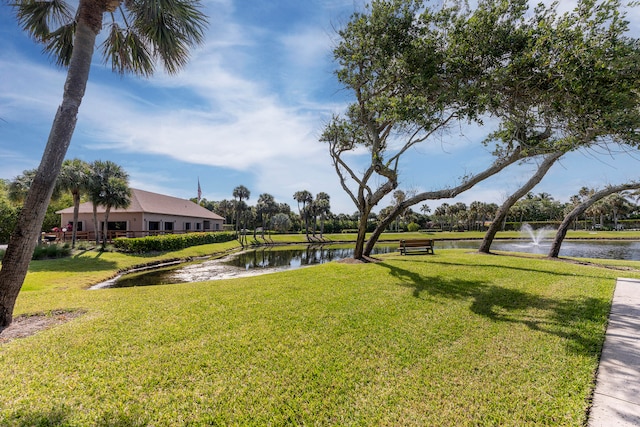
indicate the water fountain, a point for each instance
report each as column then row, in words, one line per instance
column 535, row 235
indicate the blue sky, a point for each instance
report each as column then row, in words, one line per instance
column 248, row 109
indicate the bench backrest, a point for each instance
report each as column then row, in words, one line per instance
column 416, row 242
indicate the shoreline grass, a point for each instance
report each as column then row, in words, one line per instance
column 450, row 339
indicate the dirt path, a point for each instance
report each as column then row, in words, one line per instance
column 29, row 324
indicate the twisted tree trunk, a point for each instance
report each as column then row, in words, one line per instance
column 554, row 251
column 544, row 167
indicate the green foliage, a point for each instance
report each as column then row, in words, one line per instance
column 52, row 219
column 281, row 222
column 170, row 242
column 51, row 251
column 553, row 82
column 8, row 217
column 412, row 226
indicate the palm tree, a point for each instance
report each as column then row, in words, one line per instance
column 99, row 186
column 617, row 204
column 115, row 194
column 266, row 207
column 150, row 31
column 19, row 187
column 74, row 177
column 226, row 209
column 322, row 207
column 306, row 198
column 240, row 193
column 399, row 196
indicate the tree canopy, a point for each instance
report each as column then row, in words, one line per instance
column 554, row 82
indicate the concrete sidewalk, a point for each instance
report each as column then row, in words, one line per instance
column 616, row 400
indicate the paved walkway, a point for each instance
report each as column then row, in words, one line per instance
column 616, row 401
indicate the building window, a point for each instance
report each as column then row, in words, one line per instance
column 117, row 226
column 207, row 225
column 154, row 225
column 187, row 226
column 168, row 226
column 77, row 227
column 217, row 226
column 198, row 226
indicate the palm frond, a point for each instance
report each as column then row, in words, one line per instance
column 59, row 44
column 127, row 52
column 170, row 27
column 37, row 17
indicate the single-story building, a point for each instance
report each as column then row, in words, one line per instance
column 149, row 213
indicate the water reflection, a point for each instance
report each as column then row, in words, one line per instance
column 247, row 263
column 265, row 258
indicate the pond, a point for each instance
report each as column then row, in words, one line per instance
column 600, row 249
column 273, row 259
column 248, row 263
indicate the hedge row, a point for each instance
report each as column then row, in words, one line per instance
column 170, row 242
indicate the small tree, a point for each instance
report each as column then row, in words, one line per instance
column 240, row 194
column 281, row 222
column 266, row 208
column 322, row 207
column 104, row 178
column 74, row 177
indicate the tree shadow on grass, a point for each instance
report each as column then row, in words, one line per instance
column 54, row 417
column 62, row 416
column 579, row 320
column 506, row 267
column 73, row 264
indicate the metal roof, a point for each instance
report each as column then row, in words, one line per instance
column 148, row 202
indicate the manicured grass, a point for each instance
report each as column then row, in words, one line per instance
column 450, row 339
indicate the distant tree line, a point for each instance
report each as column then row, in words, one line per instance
column 106, row 184
column 314, row 216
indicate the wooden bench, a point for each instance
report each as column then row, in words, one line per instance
column 416, row 245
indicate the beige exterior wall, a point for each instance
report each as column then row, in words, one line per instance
column 180, row 222
column 139, row 223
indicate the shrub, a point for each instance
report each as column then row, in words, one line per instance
column 51, row 251
column 170, row 242
column 412, row 226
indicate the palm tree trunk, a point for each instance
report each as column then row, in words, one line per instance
column 306, row 226
column 95, row 222
column 25, row 234
column 105, row 226
column 76, row 208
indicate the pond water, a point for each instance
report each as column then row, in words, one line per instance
column 248, row 263
column 601, row 249
column 269, row 259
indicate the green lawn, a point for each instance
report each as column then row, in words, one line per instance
column 450, row 339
